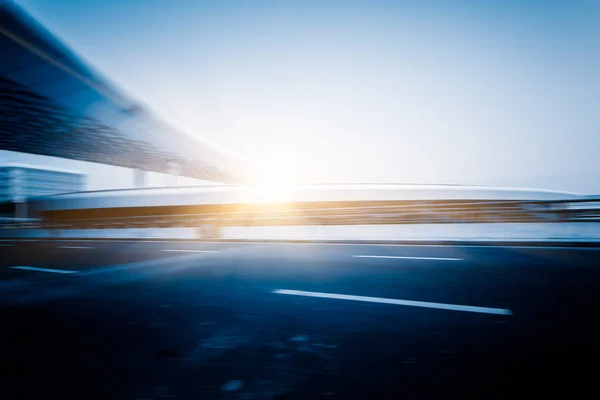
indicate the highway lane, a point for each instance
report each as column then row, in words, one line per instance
column 138, row 321
column 84, row 255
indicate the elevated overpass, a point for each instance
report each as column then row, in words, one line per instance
column 52, row 103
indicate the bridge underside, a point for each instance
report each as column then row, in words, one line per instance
column 52, row 104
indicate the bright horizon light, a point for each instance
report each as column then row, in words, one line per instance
column 273, row 177
column 279, row 165
column 267, row 193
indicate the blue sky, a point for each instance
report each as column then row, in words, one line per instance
column 473, row 92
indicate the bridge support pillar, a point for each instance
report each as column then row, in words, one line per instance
column 171, row 178
column 139, row 178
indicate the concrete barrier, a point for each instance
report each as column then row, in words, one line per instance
column 589, row 231
column 500, row 231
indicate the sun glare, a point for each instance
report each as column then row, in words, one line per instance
column 262, row 193
column 272, row 182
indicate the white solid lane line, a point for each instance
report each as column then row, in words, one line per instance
column 74, row 247
column 56, row 271
column 192, row 251
column 412, row 258
column 411, row 303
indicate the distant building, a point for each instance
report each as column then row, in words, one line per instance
column 20, row 182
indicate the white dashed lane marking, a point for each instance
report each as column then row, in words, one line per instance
column 398, row 302
column 192, row 251
column 74, row 247
column 56, row 271
column 412, row 258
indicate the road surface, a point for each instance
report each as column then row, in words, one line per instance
column 167, row 320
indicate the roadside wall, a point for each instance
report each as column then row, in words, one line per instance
column 506, row 231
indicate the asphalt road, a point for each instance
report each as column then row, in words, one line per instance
column 158, row 320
